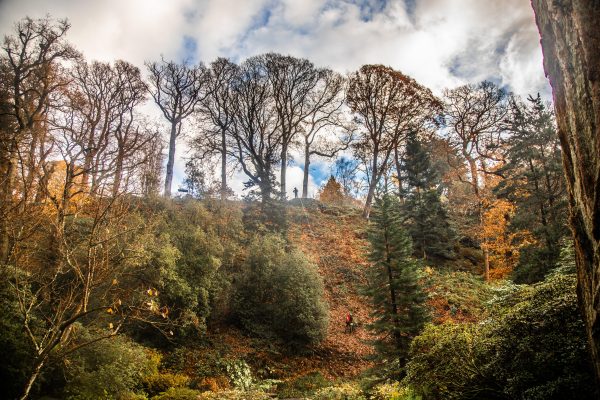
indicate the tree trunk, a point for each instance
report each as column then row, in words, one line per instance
column 283, row 171
column 32, row 378
column 306, row 171
column 570, row 31
column 486, row 262
column 370, row 195
column 398, row 172
column 223, row 165
column 171, row 161
column 118, row 173
column 474, row 175
column 7, row 178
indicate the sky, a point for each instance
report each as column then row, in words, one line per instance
column 440, row 43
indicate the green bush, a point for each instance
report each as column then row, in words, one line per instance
column 531, row 347
column 161, row 382
column 236, row 395
column 179, row 393
column 393, row 391
column 304, row 385
column 108, row 369
column 280, row 294
column 345, row 391
column 17, row 351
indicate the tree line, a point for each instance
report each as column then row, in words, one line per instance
column 77, row 153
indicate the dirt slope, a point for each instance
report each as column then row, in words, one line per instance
column 335, row 240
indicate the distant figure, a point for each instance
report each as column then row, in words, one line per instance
column 349, row 323
column 295, row 193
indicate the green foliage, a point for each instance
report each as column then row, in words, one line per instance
column 457, row 295
column 178, row 393
column 239, row 374
column 398, row 300
column 107, row 369
column 344, row 391
column 161, row 382
column 280, row 294
column 17, row 350
column 193, row 250
column 423, row 212
column 532, row 347
column 535, row 184
column 302, row 386
column 236, row 395
column 393, row 391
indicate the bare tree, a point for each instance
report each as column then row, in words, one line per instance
column 293, row 81
column 475, row 115
column 31, row 66
column 216, row 116
column 177, row 89
column 99, row 115
column 570, row 32
column 256, row 130
column 324, row 131
column 387, row 104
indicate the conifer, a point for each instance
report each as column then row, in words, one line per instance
column 398, row 300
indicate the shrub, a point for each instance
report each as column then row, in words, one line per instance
column 532, row 347
column 161, row 382
column 345, row 391
column 302, row 386
column 178, row 393
column 235, row 395
column 393, row 391
column 107, row 369
column 280, row 294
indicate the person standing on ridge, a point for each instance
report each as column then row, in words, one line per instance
column 295, row 193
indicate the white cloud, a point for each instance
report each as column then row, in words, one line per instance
column 440, row 43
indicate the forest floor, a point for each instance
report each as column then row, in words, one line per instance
column 335, row 240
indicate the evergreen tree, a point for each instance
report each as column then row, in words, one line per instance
column 398, row 300
column 424, row 213
column 534, row 182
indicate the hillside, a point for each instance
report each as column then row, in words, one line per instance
column 334, row 239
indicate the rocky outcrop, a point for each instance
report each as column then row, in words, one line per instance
column 570, row 32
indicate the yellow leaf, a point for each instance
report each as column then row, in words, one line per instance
column 110, row 325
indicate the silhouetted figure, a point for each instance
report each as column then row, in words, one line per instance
column 295, row 193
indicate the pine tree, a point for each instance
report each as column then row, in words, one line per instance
column 534, row 182
column 398, row 300
column 424, row 213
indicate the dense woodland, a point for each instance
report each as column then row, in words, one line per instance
column 452, row 247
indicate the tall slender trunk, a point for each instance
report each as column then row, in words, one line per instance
column 306, row 169
column 171, row 160
column 570, row 31
column 118, row 174
column 398, row 172
column 474, row 175
column 9, row 171
column 372, row 184
column 223, row 165
column 283, row 172
column 394, row 303
column 32, row 378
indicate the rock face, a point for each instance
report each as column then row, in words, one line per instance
column 570, row 31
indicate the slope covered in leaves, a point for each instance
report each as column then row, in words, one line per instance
column 334, row 239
